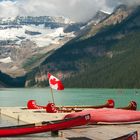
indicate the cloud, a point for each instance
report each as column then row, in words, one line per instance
column 78, row 10
column 130, row 2
column 8, row 8
column 126, row 2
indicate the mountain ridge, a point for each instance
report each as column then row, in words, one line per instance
column 96, row 51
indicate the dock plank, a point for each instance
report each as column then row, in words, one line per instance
column 101, row 132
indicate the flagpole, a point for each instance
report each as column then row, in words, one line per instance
column 52, row 94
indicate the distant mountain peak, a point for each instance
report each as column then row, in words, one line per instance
column 99, row 16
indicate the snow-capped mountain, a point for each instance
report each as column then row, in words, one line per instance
column 14, row 30
column 23, row 37
column 15, row 34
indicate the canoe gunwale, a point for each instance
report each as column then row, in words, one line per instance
column 42, row 123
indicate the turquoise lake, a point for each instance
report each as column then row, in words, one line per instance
column 20, row 96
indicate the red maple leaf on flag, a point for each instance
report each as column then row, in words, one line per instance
column 55, row 83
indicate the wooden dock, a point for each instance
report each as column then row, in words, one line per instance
column 88, row 132
column 101, row 132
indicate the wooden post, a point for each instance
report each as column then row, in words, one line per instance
column 18, row 119
column 52, row 95
column 55, row 133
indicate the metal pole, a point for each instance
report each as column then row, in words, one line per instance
column 52, row 95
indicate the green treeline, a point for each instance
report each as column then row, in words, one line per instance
column 7, row 81
column 122, row 70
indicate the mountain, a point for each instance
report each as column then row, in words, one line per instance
column 98, row 17
column 26, row 41
column 106, row 55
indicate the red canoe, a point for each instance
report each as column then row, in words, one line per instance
column 51, row 108
column 32, row 105
column 44, row 127
column 131, row 106
column 109, row 116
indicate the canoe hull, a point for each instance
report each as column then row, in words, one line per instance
column 132, row 106
column 53, row 126
column 110, row 116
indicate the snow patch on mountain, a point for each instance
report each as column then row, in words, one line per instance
column 106, row 12
column 45, row 37
column 6, row 60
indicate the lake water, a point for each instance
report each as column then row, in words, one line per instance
column 20, row 96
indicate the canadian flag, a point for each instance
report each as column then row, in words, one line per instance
column 55, row 83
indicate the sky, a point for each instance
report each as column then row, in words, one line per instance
column 77, row 10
